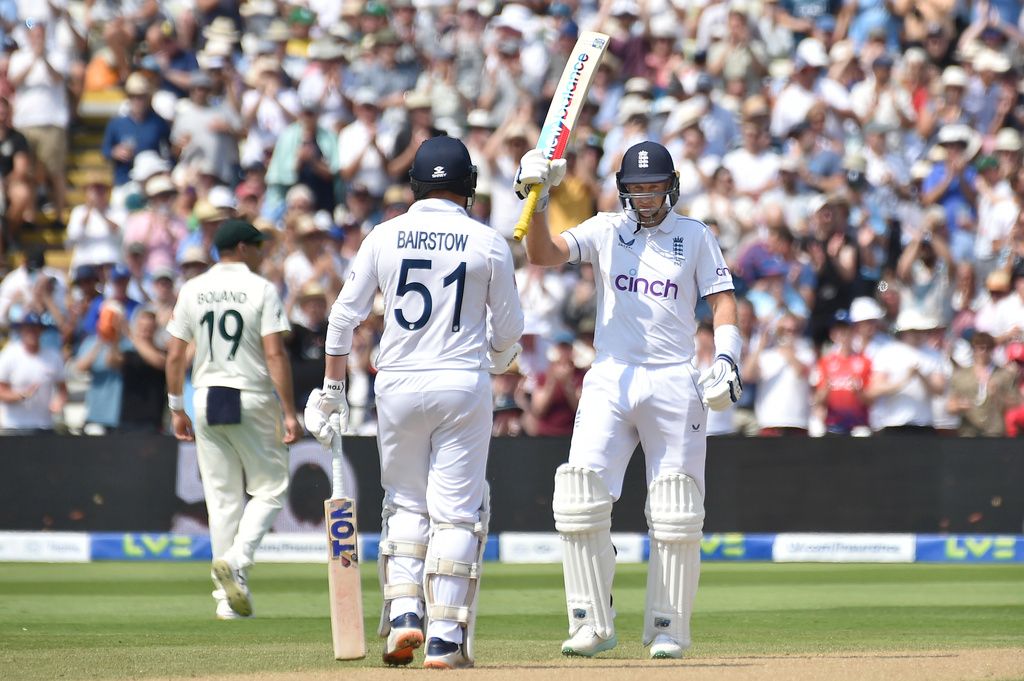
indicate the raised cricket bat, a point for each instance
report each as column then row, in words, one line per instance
column 346, row 592
column 564, row 111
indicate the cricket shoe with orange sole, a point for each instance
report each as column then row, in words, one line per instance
column 405, row 637
column 443, row 654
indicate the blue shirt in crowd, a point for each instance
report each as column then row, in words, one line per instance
column 151, row 134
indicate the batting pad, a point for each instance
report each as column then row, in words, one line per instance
column 403, row 546
column 675, row 515
column 451, row 578
column 583, row 516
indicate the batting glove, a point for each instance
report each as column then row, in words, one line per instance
column 535, row 169
column 721, row 384
column 501, row 361
column 326, row 413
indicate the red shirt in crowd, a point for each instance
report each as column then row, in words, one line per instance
column 846, row 378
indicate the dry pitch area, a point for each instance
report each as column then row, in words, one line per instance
column 753, row 621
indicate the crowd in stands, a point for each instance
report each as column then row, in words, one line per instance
column 859, row 161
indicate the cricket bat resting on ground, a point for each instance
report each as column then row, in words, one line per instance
column 346, row 593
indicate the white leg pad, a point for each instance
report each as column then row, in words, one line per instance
column 675, row 516
column 583, row 517
column 403, row 547
column 451, row 578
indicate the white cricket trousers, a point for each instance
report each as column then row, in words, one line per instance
column 658, row 407
column 433, row 433
column 239, row 459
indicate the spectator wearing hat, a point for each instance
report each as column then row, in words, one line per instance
column 870, row 327
column 325, row 82
column 208, row 218
column 157, row 227
column 948, row 107
column 925, row 270
column 951, row 185
column 362, row 151
column 268, row 107
column 379, row 70
column 818, row 166
column 733, row 214
column 774, row 292
column 194, row 261
column 306, row 152
column 439, row 83
column 839, row 381
column 312, row 262
column 982, row 393
column 308, row 337
column 501, row 158
column 905, row 376
column 1008, row 146
column 140, row 129
column 780, row 364
column 880, row 98
column 32, row 388
column 176, row 64
column 396, row 201
column 553, row 402
column 801, row 93
column 27, row 283
column 834, row 257
column 205, row 134
column 685, row 139
column 740, row 55
column 16, row 179
column 39, row 77
column 998, row 208
column 417, row 129
column 94, row 228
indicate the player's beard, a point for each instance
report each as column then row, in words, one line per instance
column 647, row 217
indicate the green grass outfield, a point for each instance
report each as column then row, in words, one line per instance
column 121, row 620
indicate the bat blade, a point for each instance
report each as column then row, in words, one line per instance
column 564, row 110
column 345, row 590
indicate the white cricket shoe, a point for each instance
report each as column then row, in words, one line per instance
column 232, row 580
column 443, row 654
column 665, row 648
column 586, row 643
column 224, row 612
column 405, row 637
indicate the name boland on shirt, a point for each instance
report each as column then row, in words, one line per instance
column 648, row 284
column 227, row 311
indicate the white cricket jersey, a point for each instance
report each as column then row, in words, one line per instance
column 227, row 311
column 648, row 284
column 448, row 284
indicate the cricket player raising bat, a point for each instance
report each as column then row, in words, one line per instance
column 650, row 264
column 451, row 315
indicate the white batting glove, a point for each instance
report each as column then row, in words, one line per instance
column 535, row 169
column 501, row 361
column 721, row 384
column 326, row 413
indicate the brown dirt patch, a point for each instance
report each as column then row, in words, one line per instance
column 959, row 665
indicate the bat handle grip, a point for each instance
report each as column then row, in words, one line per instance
column 529, row 208
column 337, row 468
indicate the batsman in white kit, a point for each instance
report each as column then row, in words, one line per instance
column 243, row 386
column 451, row 315
column 650, row 264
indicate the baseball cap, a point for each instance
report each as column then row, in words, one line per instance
column 645, row 162
column 85, row 272
column 234, row 232
column 841, row 318
column 163, row 273
column 120, row 273
column 30, row 319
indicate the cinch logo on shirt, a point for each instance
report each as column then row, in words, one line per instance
column 634, row 284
